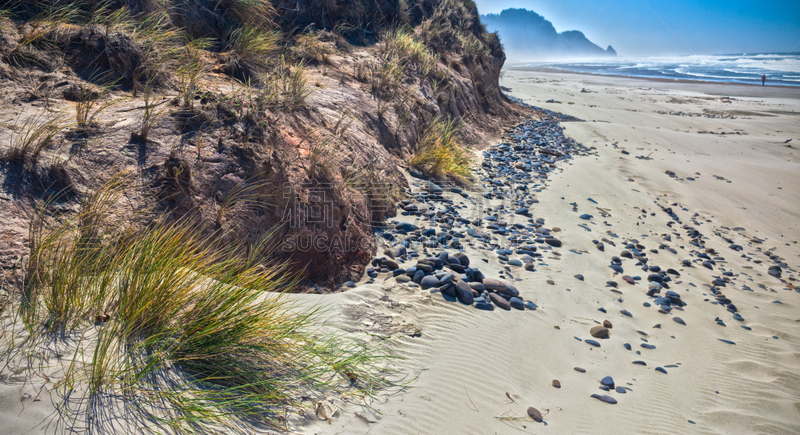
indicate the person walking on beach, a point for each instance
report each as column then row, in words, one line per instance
column 763, row 79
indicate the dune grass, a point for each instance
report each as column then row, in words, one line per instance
column 30, row 137
column 440, row 155
column 189, row 329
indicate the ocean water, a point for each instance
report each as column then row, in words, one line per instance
column 781, row 69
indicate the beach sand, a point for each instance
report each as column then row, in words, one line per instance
column 477, row 372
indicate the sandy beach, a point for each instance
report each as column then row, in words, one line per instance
column 717, row 156
column 479, row 371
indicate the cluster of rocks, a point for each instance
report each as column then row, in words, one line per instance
column 451, row 275
column 511, row 172
column 715, row 115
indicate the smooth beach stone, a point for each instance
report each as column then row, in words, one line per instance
column 403, row 279
column 515, row 262
column 531, row 306
column 535, row 414
column 625, row 312
column 405, row 226
column 477, row 286
column 390, row 264
column 500, row 301
column 726, row 341
column 593, row 343
column 580, row 370
column 599, row 332
column 661, row 369
column 608, row 381
column 621, row 390
column 648, row 346
column 429, row 281
column 627, row 346
column 679, row 320
column 464, row 292
column 418, row 275
column 552, row 241
column 607, row 324
column 556, row 383
column 448, row 289
column 579, row 277
column 516, row 303
column 462, row 258
column 604, row 398
column 350, row 284
column 447, row 277
column 641, row 363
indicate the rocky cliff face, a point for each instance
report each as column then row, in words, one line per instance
column 292, row 117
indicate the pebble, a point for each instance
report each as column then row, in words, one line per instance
column 556, row 383
column 429, row 281
column 661, row 369
column 604, row 398
column 641, row 363
column 608, row 381
column 679, row 320
column 625, row 312
column 535, row 414
column 599, row 332
column 464, row 292
column 607, row 324
column 593, row 343
column 500, row 301
column 621, row 390
column 579, row 369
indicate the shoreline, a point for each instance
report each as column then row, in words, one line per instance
column 718, row 88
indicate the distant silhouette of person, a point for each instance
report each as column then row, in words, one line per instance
column 763, row 79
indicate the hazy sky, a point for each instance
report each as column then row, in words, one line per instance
column 664, row 27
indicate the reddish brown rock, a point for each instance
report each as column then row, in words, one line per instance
column 535, row 414
column 556, row 383
column 599, row 332
column 500, row 301
column 607, row 324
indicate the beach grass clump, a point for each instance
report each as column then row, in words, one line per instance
column 403, row 46
column 309, row 46
column 30, row 137
column 439, row 153
column 249, row 50
column 189, row 329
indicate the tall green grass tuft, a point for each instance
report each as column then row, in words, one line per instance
column 440, row 155
column 190, row 330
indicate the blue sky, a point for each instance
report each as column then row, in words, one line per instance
column 672, row 27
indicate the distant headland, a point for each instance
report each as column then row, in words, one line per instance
column 527, row 35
